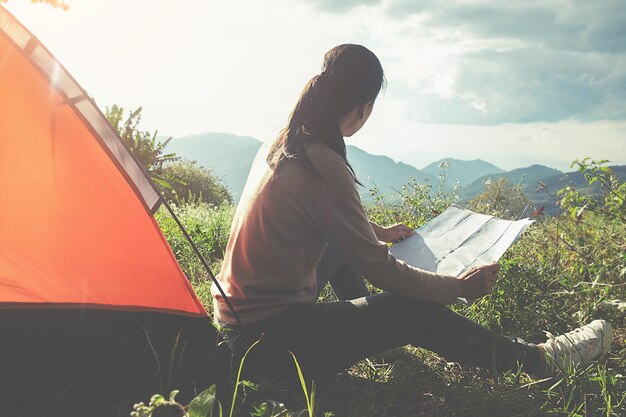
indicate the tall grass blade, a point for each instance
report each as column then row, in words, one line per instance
column 243, row 360
column 309, row 401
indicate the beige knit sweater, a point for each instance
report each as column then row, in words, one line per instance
column 280, row 230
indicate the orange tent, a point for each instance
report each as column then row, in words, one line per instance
column 79, row 248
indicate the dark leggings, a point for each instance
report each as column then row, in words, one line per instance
column 329, row 337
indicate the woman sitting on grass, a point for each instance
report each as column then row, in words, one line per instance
column 301, row 198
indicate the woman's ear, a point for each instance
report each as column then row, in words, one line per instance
column 360, row 110
column 364, row 109
column 353, row 121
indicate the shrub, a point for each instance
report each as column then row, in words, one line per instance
column 415, row 204
column 146, row 146
column 194, row 183
column 609, row 202
column 179, row 181
column 502, row 199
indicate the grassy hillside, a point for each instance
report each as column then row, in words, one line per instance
column 565, row 271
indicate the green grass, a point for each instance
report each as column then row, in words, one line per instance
column 564, row 272
column 209, row 227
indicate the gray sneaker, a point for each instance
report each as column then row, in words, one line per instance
column 579, row 347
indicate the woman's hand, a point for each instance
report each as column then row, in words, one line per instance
column 392, row 234
column 478, row 281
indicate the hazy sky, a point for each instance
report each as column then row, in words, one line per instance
column 511, row 82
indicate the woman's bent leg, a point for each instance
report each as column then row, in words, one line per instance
column 345, row 281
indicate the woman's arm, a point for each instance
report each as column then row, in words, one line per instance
column 334, row 208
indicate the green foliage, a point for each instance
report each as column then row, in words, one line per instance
column 610, row 202
column 179, row 181
column 310, row 399
column 158, row 405
column 238, row 380
column 149, row 150
column 270, row 408
column 563, row 272
column 502, row 199
column 191, row 182
column 416, row 203
column 208, row 226
column 203, row 405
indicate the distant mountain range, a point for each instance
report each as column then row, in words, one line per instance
column 382, row 172
column 529, row 175
column 465, row 172
column 230, row 157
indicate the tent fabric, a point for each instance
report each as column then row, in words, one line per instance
column 52, row 70
column 76, row 228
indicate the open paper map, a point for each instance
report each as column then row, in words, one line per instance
column 459, row 239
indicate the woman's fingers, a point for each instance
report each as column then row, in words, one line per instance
column 491, row 268
column 407, row 231
column 403, row 231
column 479, row 281
column 398, row 232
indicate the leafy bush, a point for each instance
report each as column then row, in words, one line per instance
column 565, row 271
column 502, row 199
column 191, row 182
column 609, row 202
column 179, row 181
column 147, row 148
column 415, row 204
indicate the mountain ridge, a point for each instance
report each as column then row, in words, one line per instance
column 463, row 171
column 230, row 157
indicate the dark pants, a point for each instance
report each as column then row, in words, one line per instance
column 328, row 337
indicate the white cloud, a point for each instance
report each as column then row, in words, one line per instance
column 508, row 146
column 239, row 66
column 493, row 62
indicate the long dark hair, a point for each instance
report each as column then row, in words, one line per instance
column 351, row 76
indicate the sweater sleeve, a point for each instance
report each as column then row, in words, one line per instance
column 335, row 208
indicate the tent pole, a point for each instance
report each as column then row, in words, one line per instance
column 204, row 262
